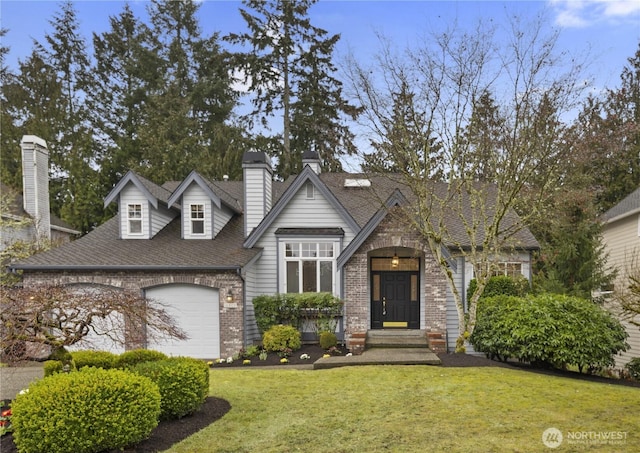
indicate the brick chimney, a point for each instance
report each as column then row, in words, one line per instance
column 35, row 183
column 257, row 175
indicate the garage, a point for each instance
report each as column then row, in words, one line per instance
column 196, row 310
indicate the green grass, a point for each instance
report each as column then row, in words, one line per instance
column 409, row 409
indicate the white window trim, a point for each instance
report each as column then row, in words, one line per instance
column 130, row 219
column 203, row 220
column 298, row 240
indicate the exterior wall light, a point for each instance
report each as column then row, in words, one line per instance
column 229, row 296
column 395, row 260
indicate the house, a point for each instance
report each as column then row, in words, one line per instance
column 25, row 214
column 208, row 248
column 621, row 240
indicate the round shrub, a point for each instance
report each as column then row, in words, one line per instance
column 97, row 359
column 55, row 366
column 87, row 411
column 183, row 384
column 135, row 356
column 328, row 340
column 633, row 367
column 281, row 337
column 550, row 330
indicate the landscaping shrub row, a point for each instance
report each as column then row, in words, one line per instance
column 109, row 403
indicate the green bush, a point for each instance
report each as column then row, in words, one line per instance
column 88, row 411
column 633, row 367
column 328, row 339
column 550, row 330
column 295, row 309
column 53, row 367
column 183, row 384
column 97, row 359
column 281, row 337
column 501, row 286
column 132, row 358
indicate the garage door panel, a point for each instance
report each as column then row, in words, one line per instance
column 195, row 309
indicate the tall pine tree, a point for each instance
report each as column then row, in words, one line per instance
column 290, row 73
column 187, row 116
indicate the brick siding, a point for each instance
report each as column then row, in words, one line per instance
column 389, row 234
column 231, row 314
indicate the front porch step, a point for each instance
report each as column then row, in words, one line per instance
column 401, row 338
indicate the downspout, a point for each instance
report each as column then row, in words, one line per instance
column 244, row 307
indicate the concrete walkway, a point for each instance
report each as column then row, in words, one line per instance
column 381, row 356
column 13, row 379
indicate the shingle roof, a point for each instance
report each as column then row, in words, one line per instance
column 628, row 206
column 102, row 249
column 363, row 203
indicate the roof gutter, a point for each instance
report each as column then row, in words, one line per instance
column 44, row 267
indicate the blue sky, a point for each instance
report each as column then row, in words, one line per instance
column 608, row 29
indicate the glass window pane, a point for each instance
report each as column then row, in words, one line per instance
column 414, row 288
column 292, row 249
column 309, row 277
column 326, row 249
column 135, row 226
column 197, row 227
column 135, row 211
column 404, row 264
column 376, row 287
column 293, row 281
column 309, row 250
column 326, row 276
column 197, row 211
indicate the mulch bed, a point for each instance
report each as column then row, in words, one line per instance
column 170, row 432
column 314, row 352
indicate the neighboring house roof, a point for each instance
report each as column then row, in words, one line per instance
column 103, row 250
column 630, row 205
column 15, row 210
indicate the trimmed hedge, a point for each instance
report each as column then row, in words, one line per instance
column 87, row 411
column 97, row 359
column 548, row 329
column 183, row 384
column 279, row 338
column 294, row 309
column 132, row 358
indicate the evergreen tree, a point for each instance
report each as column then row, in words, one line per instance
column 186, row 115
column 289, row 72
column 407, row 146
column 608, row 132
column 71, row 147
column 123, row 75
column 10, row 168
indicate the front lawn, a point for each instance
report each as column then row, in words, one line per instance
column 413, row 408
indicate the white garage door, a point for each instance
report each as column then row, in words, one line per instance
column 195, row 310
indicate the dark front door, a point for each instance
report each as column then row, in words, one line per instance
column 394, row 301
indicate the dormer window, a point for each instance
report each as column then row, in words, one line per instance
column 197, row 219
column 134, row 217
